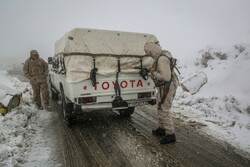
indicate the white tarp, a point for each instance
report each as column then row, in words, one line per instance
column 79, row 67
column 105, row 42
column 79, row 45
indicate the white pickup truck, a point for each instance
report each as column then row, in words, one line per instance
column 101, row 69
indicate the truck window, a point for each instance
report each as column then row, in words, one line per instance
column 61, row 69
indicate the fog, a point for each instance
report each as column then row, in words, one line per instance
column 183, row 27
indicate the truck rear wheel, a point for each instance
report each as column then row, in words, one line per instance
column 127, row 112
column 54, row 95
column 67, row 109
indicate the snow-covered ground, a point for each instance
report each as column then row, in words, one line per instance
column 221, row 106
column 24, row 131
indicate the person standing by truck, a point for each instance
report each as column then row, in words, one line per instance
column 166, row 82
column 36, row 70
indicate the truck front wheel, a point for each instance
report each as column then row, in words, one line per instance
column 54, row 93
column 67, row 109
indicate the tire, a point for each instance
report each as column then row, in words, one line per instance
column 67, row 109
column 54, row 95
column 128, row 112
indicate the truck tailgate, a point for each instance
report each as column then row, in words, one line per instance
column 129, row 84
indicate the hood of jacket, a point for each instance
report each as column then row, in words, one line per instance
column 34, row 55
column 152, row 49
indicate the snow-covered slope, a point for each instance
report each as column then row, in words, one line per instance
column 222, row 105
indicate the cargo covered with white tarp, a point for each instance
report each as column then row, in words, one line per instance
column 80, row 47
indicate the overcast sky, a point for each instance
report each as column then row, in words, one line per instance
column 182, row 26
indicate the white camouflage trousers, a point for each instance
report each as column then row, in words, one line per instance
column 165, row 119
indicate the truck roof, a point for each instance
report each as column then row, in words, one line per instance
column 85, row 41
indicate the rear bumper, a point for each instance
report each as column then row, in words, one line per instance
column 108, row 106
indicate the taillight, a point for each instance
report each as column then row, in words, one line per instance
column 144, row 95
column 87, row 99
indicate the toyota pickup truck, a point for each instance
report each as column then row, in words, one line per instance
column 101, row 70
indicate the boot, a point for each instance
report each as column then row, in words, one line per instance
column 48, row 107
column 40, row 108
column 159, row 132
column 168, row 139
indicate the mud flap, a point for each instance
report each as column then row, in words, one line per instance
column 118, row 103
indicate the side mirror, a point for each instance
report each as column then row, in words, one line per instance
column 50, row 60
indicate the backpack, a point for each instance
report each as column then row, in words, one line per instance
column 173, row 63
column 166, row 84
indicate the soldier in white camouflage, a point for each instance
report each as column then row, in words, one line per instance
column 36, row 70
column 166, row 82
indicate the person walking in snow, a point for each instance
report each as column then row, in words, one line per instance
column 36, row 70
column 166, row 82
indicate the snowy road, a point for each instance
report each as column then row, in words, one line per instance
column 105, row 139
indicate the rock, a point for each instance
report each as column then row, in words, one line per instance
column 19, row 140
column 248, row 126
